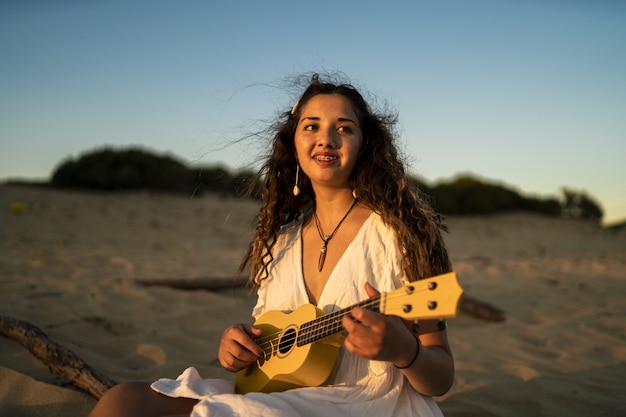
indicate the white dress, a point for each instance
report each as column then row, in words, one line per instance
column 358, row 387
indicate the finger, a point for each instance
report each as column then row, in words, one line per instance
column 359, row 340
column 354, row 336
column 239, row 341
column 245, row 339
column 357, row 333
column 368, row 318
column 371, row 291
column 228, row 359
column 235, row 357
column 352, row 347
column 349, row 324
column 253, row 332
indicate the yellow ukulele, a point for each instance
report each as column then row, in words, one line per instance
column 300, row 348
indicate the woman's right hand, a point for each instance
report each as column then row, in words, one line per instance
column 238, row 348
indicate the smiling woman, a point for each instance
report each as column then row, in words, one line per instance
column 339, row 224
column 328, row 140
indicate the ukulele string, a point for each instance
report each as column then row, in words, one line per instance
column 328, row 322
column 272, row 337
column 324, row 323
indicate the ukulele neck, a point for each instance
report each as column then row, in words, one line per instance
column 330, row 324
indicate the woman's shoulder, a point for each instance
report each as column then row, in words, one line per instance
column 375, row 225
column 292, row 227
column 289, row 233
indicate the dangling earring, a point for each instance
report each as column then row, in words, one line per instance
column 354, row 193
column 296, row 189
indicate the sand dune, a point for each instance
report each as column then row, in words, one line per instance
column 69, row 260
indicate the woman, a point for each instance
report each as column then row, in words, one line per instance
column 339, row 223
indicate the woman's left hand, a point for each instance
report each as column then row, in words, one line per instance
column 375, row 336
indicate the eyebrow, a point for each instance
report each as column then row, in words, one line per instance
column 341, row 119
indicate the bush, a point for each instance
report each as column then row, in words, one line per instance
column 468, row 195
column 578, row 205
column 218, row 179
column 135, row 168
column 108, row 169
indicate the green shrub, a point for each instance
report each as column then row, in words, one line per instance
column 136, row 168
column 109, row 169
column 468, row 195
column 579, row 205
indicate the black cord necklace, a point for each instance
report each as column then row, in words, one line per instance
column 327, row 238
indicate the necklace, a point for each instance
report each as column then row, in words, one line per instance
column 326, row 238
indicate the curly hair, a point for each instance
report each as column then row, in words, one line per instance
column 379, row 179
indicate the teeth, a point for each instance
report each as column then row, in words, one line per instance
column 325, row 158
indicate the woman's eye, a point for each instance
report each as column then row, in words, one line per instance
column 310, row 127
column 345, row 129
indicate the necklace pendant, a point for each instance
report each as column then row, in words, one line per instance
column 320, row 262
column 326, row 238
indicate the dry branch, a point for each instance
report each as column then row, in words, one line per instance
column 209, row 283
column 481, row 309
column 59, row 359
column 470, row 305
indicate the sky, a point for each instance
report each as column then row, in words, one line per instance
column 527, row 93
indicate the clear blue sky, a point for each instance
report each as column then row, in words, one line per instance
column 529, row 92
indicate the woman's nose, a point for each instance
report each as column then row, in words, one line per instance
column 328, row 137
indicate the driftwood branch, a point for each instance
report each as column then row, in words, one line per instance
column 209, row 283
column 481, row 309
column 59, row 359
column 470, row 305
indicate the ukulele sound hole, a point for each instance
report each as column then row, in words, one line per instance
column 287, row 341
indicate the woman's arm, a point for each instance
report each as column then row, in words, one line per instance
column 431, row 372
column 424, row 359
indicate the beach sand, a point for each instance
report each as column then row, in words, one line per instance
column 69, row 261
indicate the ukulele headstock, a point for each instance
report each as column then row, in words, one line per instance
column 431, row 298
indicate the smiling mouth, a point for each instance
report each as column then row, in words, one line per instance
column 324, row 158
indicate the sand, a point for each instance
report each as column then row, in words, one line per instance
column 69, row 261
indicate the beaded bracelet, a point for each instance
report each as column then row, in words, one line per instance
column 417, row 352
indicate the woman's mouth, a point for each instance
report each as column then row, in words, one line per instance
column 325, row 158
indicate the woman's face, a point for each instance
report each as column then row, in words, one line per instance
column 327, row 140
